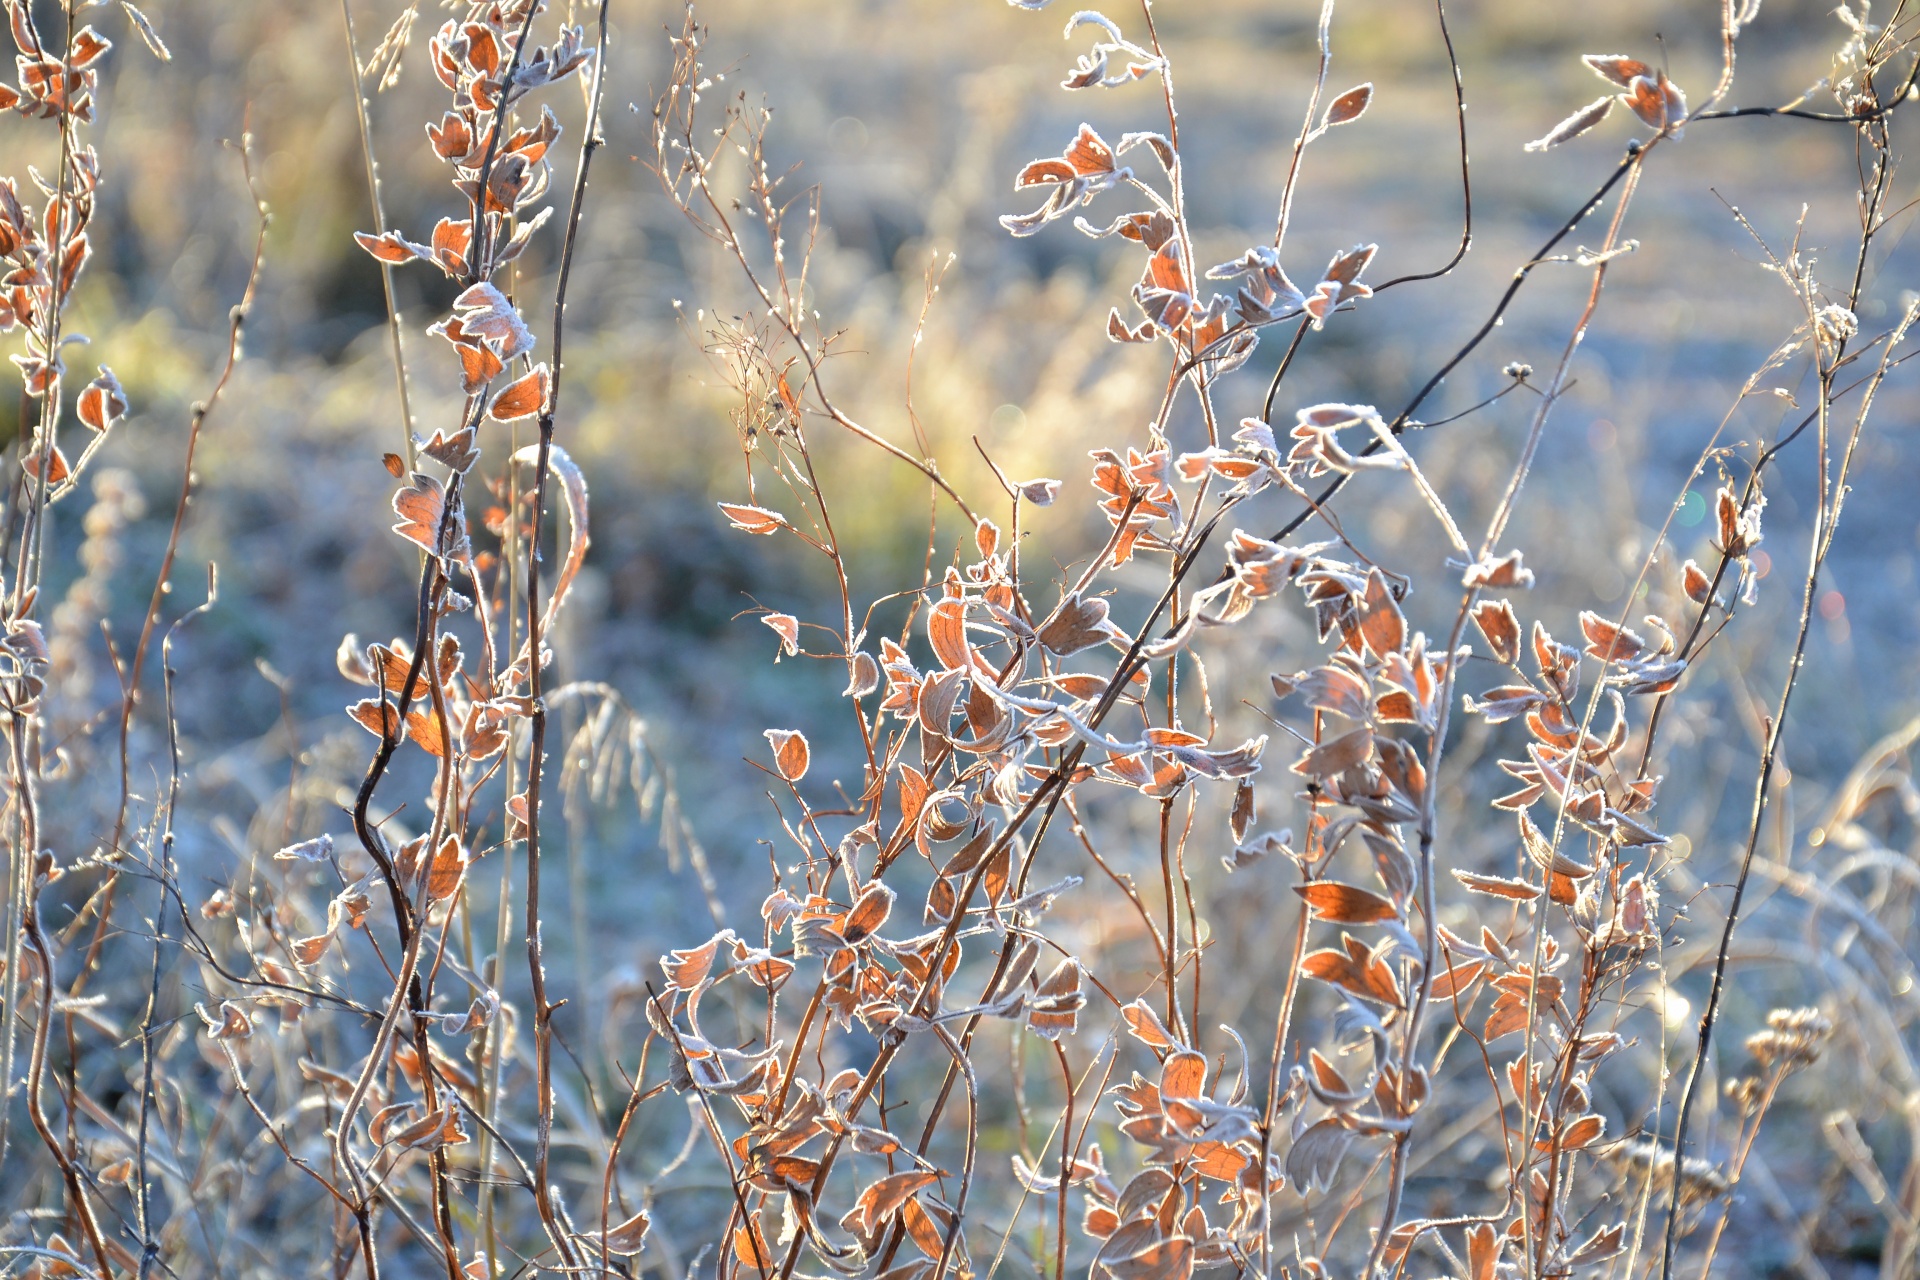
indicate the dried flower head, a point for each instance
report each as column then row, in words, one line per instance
column 1792, row 1039
column 1700, row 1181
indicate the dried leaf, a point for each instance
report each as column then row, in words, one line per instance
column 753, row 519
column 573, row 491
column 688, row 968
column 1315, row 1157
column 102, row 403
column 1337, row 755
column 1382, row 626
column 868, row 913
column 1583, row 1132
column 1696, row 583
column 421, row 507
column 1146, row 1025
column 1497, row 886
column 1349, row 106
column 1183, row 1075
column 318, row 849
column 1574, row 125
column 524, row 397
column 884, row 1198
column 1345, row 903
column 147, row 34
column 787, row 627
column 1616, row 67
column 1502, row 630
column 1041, row 493
column 1078, row 624
column 392, row 248
column 629, row 1237
column 947, row 632
column 790, row 753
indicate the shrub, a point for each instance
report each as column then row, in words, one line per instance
column 1101, row 937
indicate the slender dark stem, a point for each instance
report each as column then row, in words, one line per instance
column 536, row 757
column 1466, row 175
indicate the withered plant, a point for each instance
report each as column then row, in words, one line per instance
column 980, row 1018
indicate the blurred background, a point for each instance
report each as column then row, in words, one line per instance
column 912, row 117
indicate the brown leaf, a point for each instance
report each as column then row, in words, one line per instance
column 753, row 519
column 1598, row 1247
column 1502, row 630
column 1497, row 886
column 1542, row 853
column 790, row 753
column 1169, row 1259
column 1574, row 125
column 1337, row 755
column 421, row 507
column 1583, row 1132
column 947, row 632
column 868, row 913
column 1503, row 573
column 927, row 1237
column 886, row 1197
column 1483, row 1251
column 1696, row 583
column 456, row 451
column 1183, row 1075
column 1355, row 969
column 523, row 397
column 1450, row 980
column 1382, row 625
column 231, row 1023
column 1316, row 1154
column 57, row 468
column 392, row 247
column 1244, row 814
column 1345, row 903
column 1653, row 100
column 629, row 1237
column 787, row 627
column 688, row 968
column 1608, row 642
column 1350, row 105
column 913, row 793
column 102, row 403
column 1617, row 67
column 1333, row 689
column 1040, row 493
column 1078, row 624
column 1146, row 1025
column 863, row 676
column 750, row 1247
column 449, row 865
column 309, row 950
column 1734, row 538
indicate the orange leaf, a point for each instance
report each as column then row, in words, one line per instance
column 1183, row 1075
column 790, row 753
column 1345, row 903
column 1350, row 105
column 390, row 248
column 869, row 912
column 1382, row 625
column 947, row 631
column 1497, row 886
column 523, row 397
column 753, row 519
column 102, row 403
